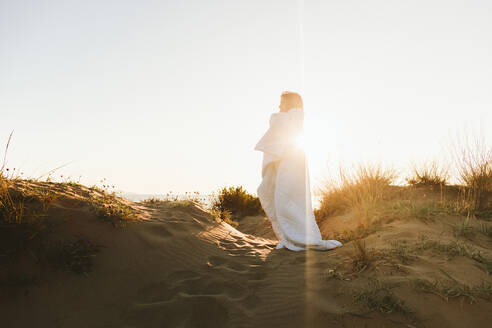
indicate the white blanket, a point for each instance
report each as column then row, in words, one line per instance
column 285, row 192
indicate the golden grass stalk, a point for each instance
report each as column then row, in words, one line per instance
column 358, row 189
column 430, row 173
column 473, row 163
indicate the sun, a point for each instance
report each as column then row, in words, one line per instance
column 301, row 141
column 319, row 147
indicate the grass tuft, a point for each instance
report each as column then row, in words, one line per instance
column 224, row 216
column 473, row 162
column 362, row 257
column 452, row 289
column 73, row 256
column 428, row 174
column 359, row 190
column 378, row 296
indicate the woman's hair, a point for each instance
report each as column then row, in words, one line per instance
column 292, row 99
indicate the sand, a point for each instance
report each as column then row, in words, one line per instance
column 178, row 267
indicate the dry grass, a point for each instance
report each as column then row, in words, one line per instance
column 359, row 190
column 422, row 210
column 224, row 216
column 109, row 207
column 473, row 163
column 22, row 214
column 27, row 222
column 362, row 257
column 153, row 201
column 402, row 250
column 470, row 226
column 189, row 199
column 11, row 207
column 455, row 248
column 428, row 174
column 453, row 289
column 378, row 296
column 358, row 232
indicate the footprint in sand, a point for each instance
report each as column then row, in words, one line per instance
column 256, row 275
column 180, row 276
column 189, row 283
column 182, row 311
column 232, row 248
column 221, row 262
column 298, row 259
column 159, row 230
column 252, row 273
column 242, row 248
column 177, row 226
column 253, row 242
column 165, row 290
column 155, row 292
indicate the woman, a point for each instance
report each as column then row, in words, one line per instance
column 285, row 192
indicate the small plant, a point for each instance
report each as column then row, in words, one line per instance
column 110, row 208
column 46, row 196
column 379, row 297
column 11, row 208
column 485, row 229
column 425, row 211
column 332, row 274
column 429, row 174
column 455, row 248
column 453, row 289
column 237, row 201
column 107, row 206
column 402, row 251
column 473, row 162
column 153, row 200
column 73, row 256
column 224, row 216
column 465, row 228
column 362, row 257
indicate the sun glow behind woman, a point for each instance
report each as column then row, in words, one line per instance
column 319, row 144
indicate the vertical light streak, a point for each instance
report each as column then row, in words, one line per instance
column 301, row 43
column 308, row 203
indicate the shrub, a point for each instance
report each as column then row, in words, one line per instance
column 73, row 256
column 237, row 201
column 473, row 163
column 429, row 174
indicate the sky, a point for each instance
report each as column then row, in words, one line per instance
column 160, row 96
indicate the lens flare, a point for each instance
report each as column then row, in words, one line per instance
column 301, row 141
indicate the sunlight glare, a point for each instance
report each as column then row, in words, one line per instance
column 301, row 140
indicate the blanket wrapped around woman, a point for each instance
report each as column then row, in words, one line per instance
column 285, row 192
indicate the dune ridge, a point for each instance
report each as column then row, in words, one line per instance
column 177, row 266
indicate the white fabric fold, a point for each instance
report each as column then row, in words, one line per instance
column 285, row 192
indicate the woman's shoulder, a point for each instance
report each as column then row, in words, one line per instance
column 291, row 114
column 292, row 110
column 296, row 114
column 296, row 110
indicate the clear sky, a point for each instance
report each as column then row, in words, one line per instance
column 159, row 96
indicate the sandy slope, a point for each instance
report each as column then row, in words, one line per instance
column 180, row 268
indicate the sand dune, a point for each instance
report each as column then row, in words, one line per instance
column 178, row 267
